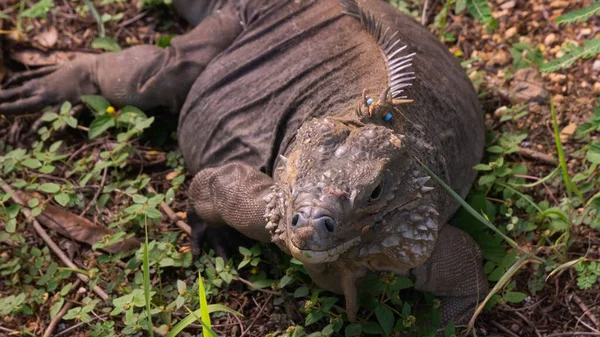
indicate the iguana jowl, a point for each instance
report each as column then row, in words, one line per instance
column 293, row 120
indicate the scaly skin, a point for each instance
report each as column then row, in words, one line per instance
column 295, row 107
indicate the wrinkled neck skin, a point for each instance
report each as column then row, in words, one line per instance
column 321, row 212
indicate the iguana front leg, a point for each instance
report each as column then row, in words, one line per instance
column 145, row 76
column 454, row 272
column 233, row 195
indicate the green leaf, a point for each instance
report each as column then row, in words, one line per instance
column 450, row 329
column 11, row 225
column 285, row 280
column 106, row 44
column 352, row 330
column 313, row 317
column 495, row 149
column 153, row 213
column 49, row 188
column 385, row 317
column 33, row 202
column 62, row 199
column 372, row 328
column 245, row 251
column 56, row 307
column 32, row 163
column 100, row 124
column 515, row 297
column 496, row 274
column 487, row 180
column 481, row 11
column 593, row 154
column 164, row 41
column 263, row 283
column 98, row 103
column 129, row 114
column 460, row 6
column 301, row 292
column 482, row 167
column 580, row 15
column 38, row 10
column 49, row 116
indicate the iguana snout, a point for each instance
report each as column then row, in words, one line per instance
column 313, row 228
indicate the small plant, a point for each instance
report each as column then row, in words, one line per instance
column 573, row 52
column 525, row 55
column 479, row 9
column 587, row 274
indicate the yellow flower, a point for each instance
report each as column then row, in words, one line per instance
column 110, row 110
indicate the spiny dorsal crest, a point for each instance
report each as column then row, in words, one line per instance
column 391, row 47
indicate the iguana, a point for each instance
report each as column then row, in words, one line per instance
column 294, row 121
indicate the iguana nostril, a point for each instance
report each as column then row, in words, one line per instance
column 324, row 224
column 295, row 219
column 329, row 225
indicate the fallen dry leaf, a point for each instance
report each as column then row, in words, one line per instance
column 78, row 228
column 48, row 38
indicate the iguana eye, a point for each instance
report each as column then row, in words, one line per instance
column 377, row 192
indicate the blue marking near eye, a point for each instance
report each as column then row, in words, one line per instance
column 369, row 101
column 387, row 116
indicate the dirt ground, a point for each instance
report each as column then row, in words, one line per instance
column 561, row 308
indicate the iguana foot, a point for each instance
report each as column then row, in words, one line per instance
column 223, row 239
column 48, row 86
column 30, row 75
column 459, row 309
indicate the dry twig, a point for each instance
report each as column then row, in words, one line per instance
column 64, row 310
column 98, row 191
column 163, row 205
column 537, row 156
column 587, row 311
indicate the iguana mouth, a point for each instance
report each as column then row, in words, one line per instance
column 316, row 257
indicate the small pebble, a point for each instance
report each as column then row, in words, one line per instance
column 512, row 31
column 596, row 66
column 549, row 39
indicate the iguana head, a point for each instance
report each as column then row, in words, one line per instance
column 346, row 182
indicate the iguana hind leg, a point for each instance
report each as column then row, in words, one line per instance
column 454, row 272
column 230, row 195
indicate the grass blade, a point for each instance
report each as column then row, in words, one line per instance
column 205, row 318
column 146, row 272
column 96, row 15
column 523, row 260
column 571, row 188
column 194, row 316
column 541, row 181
